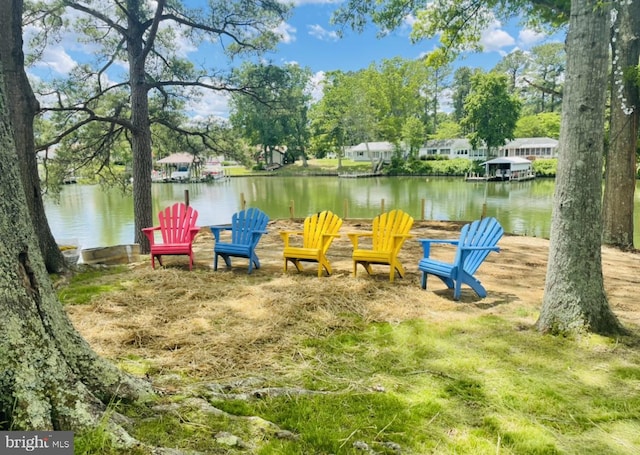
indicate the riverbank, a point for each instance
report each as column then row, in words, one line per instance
column 335, row 363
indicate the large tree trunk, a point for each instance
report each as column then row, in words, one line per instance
column 23, row 107
column 141, row 127
column 574, row 297
column 49, row 376
column 620, row 174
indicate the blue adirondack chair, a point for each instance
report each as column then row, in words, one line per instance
column 476, row 241
column 247, row 226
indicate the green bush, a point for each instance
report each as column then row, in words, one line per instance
column 545, row 167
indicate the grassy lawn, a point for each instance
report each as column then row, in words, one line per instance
column 476, row 384
column 314, row 166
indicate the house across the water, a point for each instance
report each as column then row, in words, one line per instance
column 531, row 148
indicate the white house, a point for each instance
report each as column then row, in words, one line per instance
column 452, row 148
column 367, row 151
column 528, row 147
column 531, row 147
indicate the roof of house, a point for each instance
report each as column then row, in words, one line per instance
column 179, row 158
column 373, row 146
column 508, row 160
column 531, row 142
column 456, row 143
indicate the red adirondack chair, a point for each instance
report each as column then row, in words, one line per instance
column 178, row 229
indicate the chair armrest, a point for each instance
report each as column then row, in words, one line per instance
column 216, row 229
column 149, row 233
column 193, row 231
column 426, row 244
column 286, row 234
column 355, row 236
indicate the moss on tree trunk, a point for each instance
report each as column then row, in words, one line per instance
column 50, row 378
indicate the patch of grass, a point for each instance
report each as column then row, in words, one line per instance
column 84, row 286
column 235, row 171
column 462, row 381
column 491, row 385
column 334, row 423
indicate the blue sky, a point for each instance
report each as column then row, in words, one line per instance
column 309, row 40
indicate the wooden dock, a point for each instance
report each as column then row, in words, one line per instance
column 516, row 177
column 358, row 175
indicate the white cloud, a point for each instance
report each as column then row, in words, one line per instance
column 208, row 103
column 317, row 31
column 56, row 59
column 528, row 37
column 495, row 38
column 287, row 32
column 409, row 20
column 315, row 86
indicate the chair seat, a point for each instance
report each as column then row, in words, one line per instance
column 435, row 267
column 233, row 249
column 302, row 253
column 174, row 247
column 376, row 257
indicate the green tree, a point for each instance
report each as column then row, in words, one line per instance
column 545, row 124
column 346, row 114
column 327, row 116
column 144, row 35
column 514, row 65
column 395, row 91
column 544, row 77
column 275, row 114
column 461, row 87
column 447, row 129
column 413, row 135
column 491, row 112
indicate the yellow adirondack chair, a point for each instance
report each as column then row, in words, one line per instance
column 389, row 231
column 319, row 231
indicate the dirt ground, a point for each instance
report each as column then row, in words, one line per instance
column 228, row 323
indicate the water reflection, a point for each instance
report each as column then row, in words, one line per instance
column 99, row 218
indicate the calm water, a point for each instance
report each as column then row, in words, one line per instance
column 95, row 217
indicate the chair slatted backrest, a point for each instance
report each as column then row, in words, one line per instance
column 245, row 222
column 316, row 226
column 386, row 225
column 485, row 232
column 176, row 222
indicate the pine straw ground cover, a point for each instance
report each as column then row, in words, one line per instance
column 274, row 363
